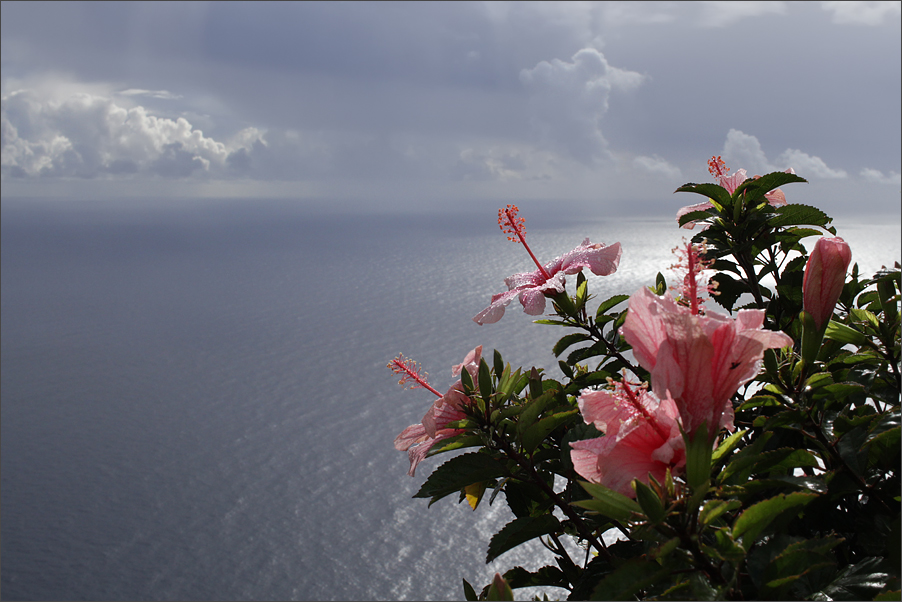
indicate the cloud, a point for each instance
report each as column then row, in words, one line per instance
column 722, row 14
column 864, row 13
column 504, row 164
column 744, row 151
column 86, row 135
column 811, row 166
column 160, row 94
column 874, row 175
column 569, row 99
column 657, row 166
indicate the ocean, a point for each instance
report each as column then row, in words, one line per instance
column 195, row 403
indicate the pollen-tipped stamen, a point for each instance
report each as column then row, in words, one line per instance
column 717, row 167
column 410, row 374
column 511, row 224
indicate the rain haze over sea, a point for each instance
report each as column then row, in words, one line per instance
column 196, row 404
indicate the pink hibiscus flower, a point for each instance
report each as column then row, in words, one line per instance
column 418, row 439
column 642, row 437
column 533, row 287
column 719, row 170
column 699, row 361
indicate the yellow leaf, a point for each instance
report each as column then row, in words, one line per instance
column 474, row 493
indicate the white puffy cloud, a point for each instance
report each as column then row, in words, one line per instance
column 722, row 14
column 88, row 135
column 864, row 13
column 877, row 176
column 744, row 151
column 657, row 166
column 811, row 166
column 569, row 99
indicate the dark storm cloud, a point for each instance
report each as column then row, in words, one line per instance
column 614, row 97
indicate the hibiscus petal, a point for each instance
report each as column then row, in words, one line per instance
column 495, row 310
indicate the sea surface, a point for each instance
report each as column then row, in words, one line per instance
column 196, row 404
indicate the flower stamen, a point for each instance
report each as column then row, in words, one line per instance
column 717, row 167
column 694, row 282
column 410, row 374
column 510, row 223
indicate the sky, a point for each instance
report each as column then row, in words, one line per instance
column 426, row 104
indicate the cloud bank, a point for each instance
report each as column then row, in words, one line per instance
column 88, row 136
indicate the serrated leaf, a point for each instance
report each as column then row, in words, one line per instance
column 728, row 289
column 551, row 576
column 518, row 531
column 713, row 191
column 799, row 215
column 755, row 188
column 756, row 518
column 714, row 508
column 728, row 445
column 459, row 472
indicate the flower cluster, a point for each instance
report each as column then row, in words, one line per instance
column 696, row 361
column 748, row 448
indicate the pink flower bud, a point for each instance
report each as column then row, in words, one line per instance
column 825, row 275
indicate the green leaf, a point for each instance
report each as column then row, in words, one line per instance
column 533, row 409
column 698, row 457
column 862, row 581
column 728, row 445
column 609, row 303
column 714, row 508
column 536, row 433
column 755, row 188
column 551, row 576
column 567, row 341
column 728, row 289
column 459, row 472
column 756, row 518
column 457, row 442
column 634, row 575
column 799, row 215
column 650, row 502
column 693, row 216
column 608, row 502
column 518, row 531
column 485, row 381
column 498, row 363
column 714, row 192
column 469, row 592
